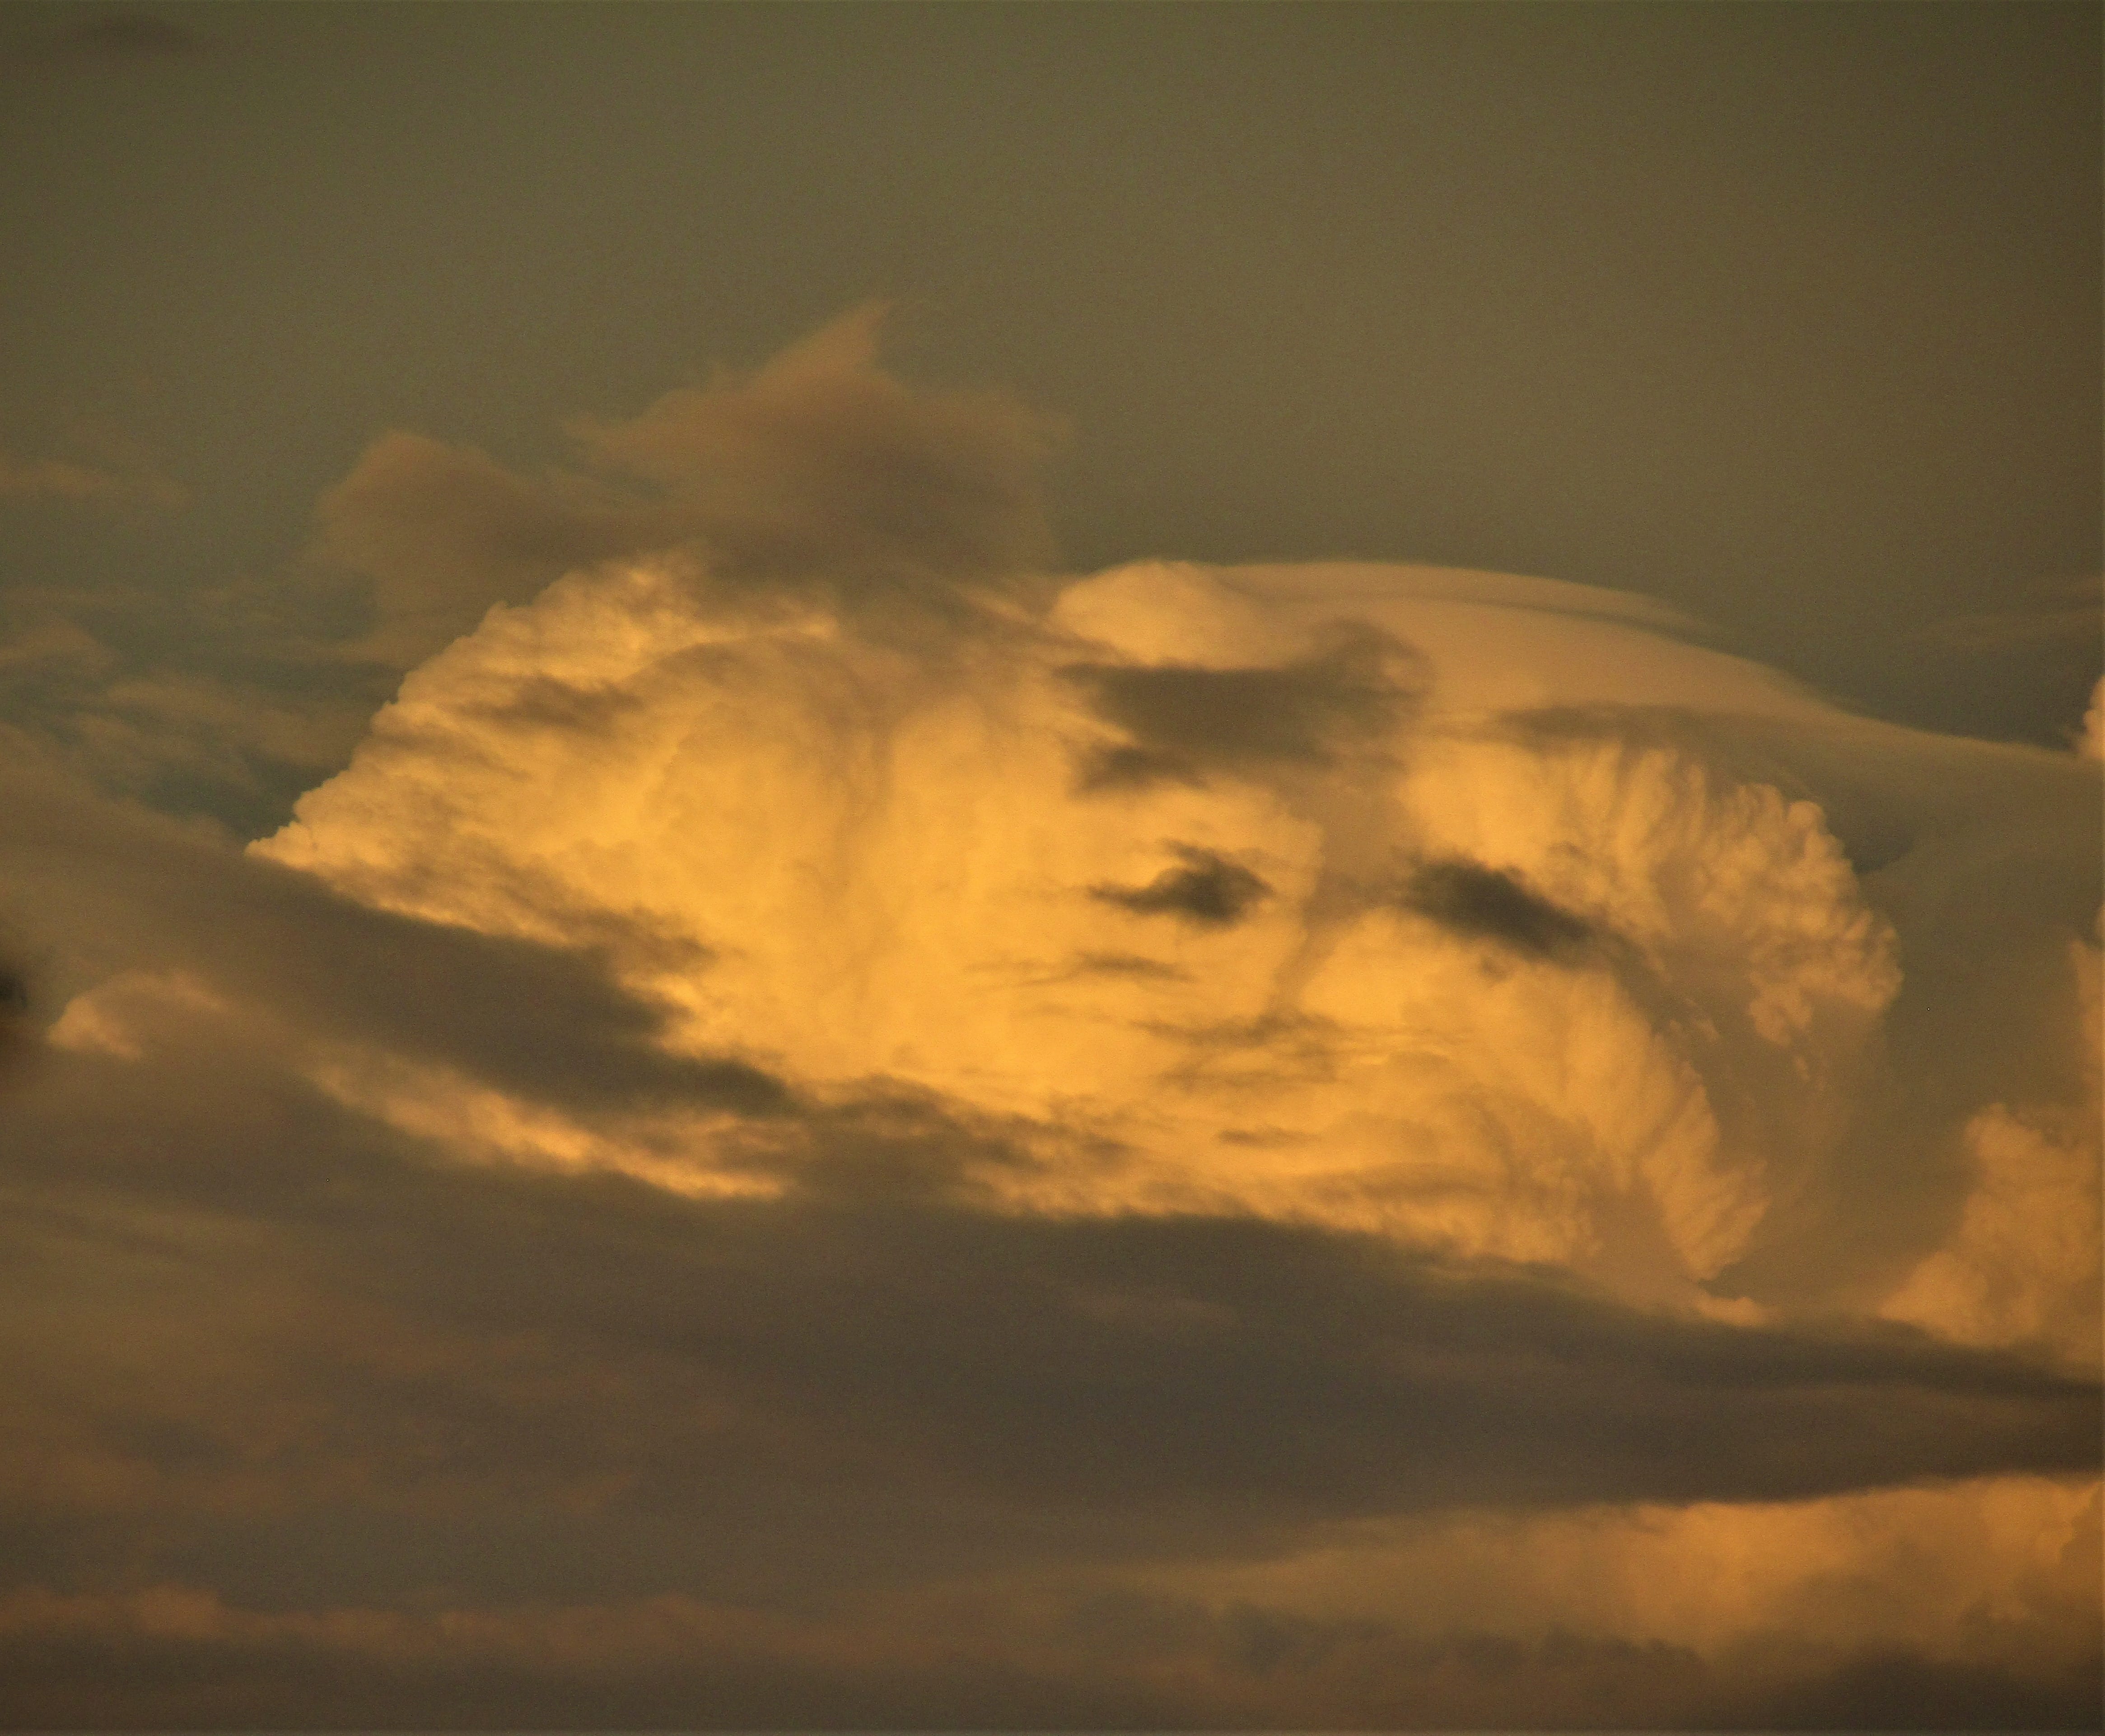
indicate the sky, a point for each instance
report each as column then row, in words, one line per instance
column 1051, row 867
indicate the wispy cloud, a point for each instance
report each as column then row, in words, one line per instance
column 130, row 35
column 65, row 481
column 2053, row 610
column 106, row 39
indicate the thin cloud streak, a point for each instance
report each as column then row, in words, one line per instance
column 63, row 480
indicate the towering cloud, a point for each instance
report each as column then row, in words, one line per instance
column 1411, row 902
column 1267, row 1144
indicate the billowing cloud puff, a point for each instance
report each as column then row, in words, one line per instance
column 1323, row 1144
column 819, row 473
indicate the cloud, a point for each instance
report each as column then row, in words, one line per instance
column 446, row 531
column 62, row 480
column 820, row 463
column 1104, row 1662
column 374, row 1404
column 2024, row 1263
column 224, row 696
column 2056, row 611
column 545, row 1023
column 899, row 1337
column 825, row 1124
column 999, row 1651
column 1276, row 1373
column 224, row 699
column 819, row 473
column 645, row 746
column 15, row 1032
column 1182, row 721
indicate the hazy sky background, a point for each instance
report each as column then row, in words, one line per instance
column 949, row 1079
column 1786, row 314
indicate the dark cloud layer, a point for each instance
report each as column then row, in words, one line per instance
column 709, row 1669
column 330, row 1405
column 543, row 1022
column 1200, row 1380
column 396, row 1373
column 919, row 1378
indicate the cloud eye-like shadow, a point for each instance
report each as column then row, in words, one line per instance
column 1208, row 890
column 1486, row 903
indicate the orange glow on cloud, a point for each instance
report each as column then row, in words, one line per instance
column 1628, row 1058
column 904, row 868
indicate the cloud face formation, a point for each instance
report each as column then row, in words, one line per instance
column 1594, row 999
column 1277, row 1145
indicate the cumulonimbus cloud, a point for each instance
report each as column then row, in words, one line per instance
column 1392, row 955
column 845, row 1074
